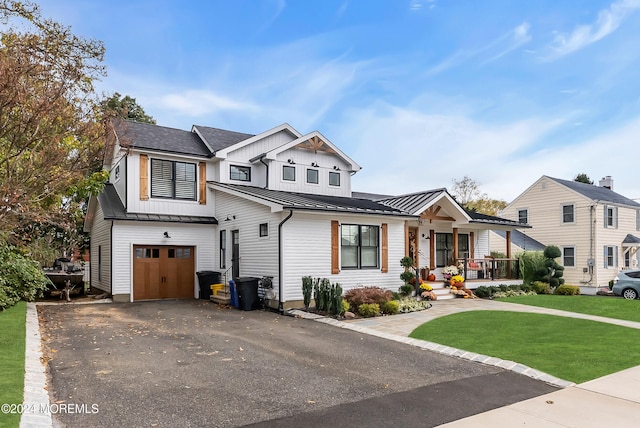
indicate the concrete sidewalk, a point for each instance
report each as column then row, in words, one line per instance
column 612, row 400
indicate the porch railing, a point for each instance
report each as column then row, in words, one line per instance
column 490, row 268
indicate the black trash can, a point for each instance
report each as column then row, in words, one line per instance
column 247, row 289
column 206, row 278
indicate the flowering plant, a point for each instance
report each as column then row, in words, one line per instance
column 426, row 287
column 457, row 278
column 449, row 271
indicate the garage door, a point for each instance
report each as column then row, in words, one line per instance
column 163, row 272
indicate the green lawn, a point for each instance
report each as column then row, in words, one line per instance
column 571, row 349
column 604, row 306
column 12, row 348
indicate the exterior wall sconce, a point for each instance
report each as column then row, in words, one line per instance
column 336, row 167
column 230, row 217
column 166, row 235
column 291, row 161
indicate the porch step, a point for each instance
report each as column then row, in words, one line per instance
column 441, row 291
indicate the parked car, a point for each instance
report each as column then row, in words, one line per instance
column 627, row 284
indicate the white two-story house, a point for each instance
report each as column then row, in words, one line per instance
column 276, row 204
column 596, row 228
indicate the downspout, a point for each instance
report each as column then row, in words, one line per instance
column 591, row 243
column 267, row 166
column 280, row 282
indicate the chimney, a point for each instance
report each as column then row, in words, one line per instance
column 606, row 182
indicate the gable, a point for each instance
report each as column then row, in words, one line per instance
column 314, row 143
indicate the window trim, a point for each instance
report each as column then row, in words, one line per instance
column 565, row 256
column 334, row 174
column 526, row 216
column 573, row 214
column 288, row 168
column 613, row 217
column 317, row 176
column 263, row 230
column 613, row 256
column 239, row 168
column 359, row 265
column 174, row 180
column 223, row 249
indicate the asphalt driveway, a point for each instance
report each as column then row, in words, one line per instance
column 194, row 364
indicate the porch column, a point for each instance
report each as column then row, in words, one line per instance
column 455, row 243
column 406, row 237
column 432, row 249
column 472, row 253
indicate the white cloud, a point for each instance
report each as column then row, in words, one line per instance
column 197, row 103
column 402, row 151
column 609, row 20
column 492, row 51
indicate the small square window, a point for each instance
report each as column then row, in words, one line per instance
column 334, row 179
column 312, row 176
column 264, row 229
column 289, row 173
column 116, row 173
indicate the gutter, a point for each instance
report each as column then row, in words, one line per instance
column 280, row 282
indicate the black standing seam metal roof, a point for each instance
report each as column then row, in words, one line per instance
column 597, row 193
column 219, row 139
column 113, row 209
column 305, row 201
column 413, row 201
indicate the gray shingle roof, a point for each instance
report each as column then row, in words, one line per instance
column 490, row 219
column 114, row 210
column 631, row 239
column 304, row 201
column 159, row 138
column 219, row 139
column 597, row 193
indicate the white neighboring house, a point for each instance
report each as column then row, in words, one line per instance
column 275, row 204
column 596, row 228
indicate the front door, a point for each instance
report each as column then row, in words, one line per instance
column 235, row 253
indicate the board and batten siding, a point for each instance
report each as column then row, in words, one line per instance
column 126, row 234
column 307, row 252
column 163, row 205
column 302, row 161
column 100, row 251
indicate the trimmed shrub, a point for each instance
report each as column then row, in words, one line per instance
column 541, row 287
column 483, row 292
column 391, row 307
column 406, row 290
column 369, row 310
column 567, row 290
column 358, row 296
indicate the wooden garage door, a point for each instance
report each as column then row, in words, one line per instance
column 163, row 272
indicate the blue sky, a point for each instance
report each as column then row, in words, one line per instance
column 418, row 92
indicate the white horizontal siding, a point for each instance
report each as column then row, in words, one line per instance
column 100, row 251
column 128, row 234
column 308, row 253
column 258, row 255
